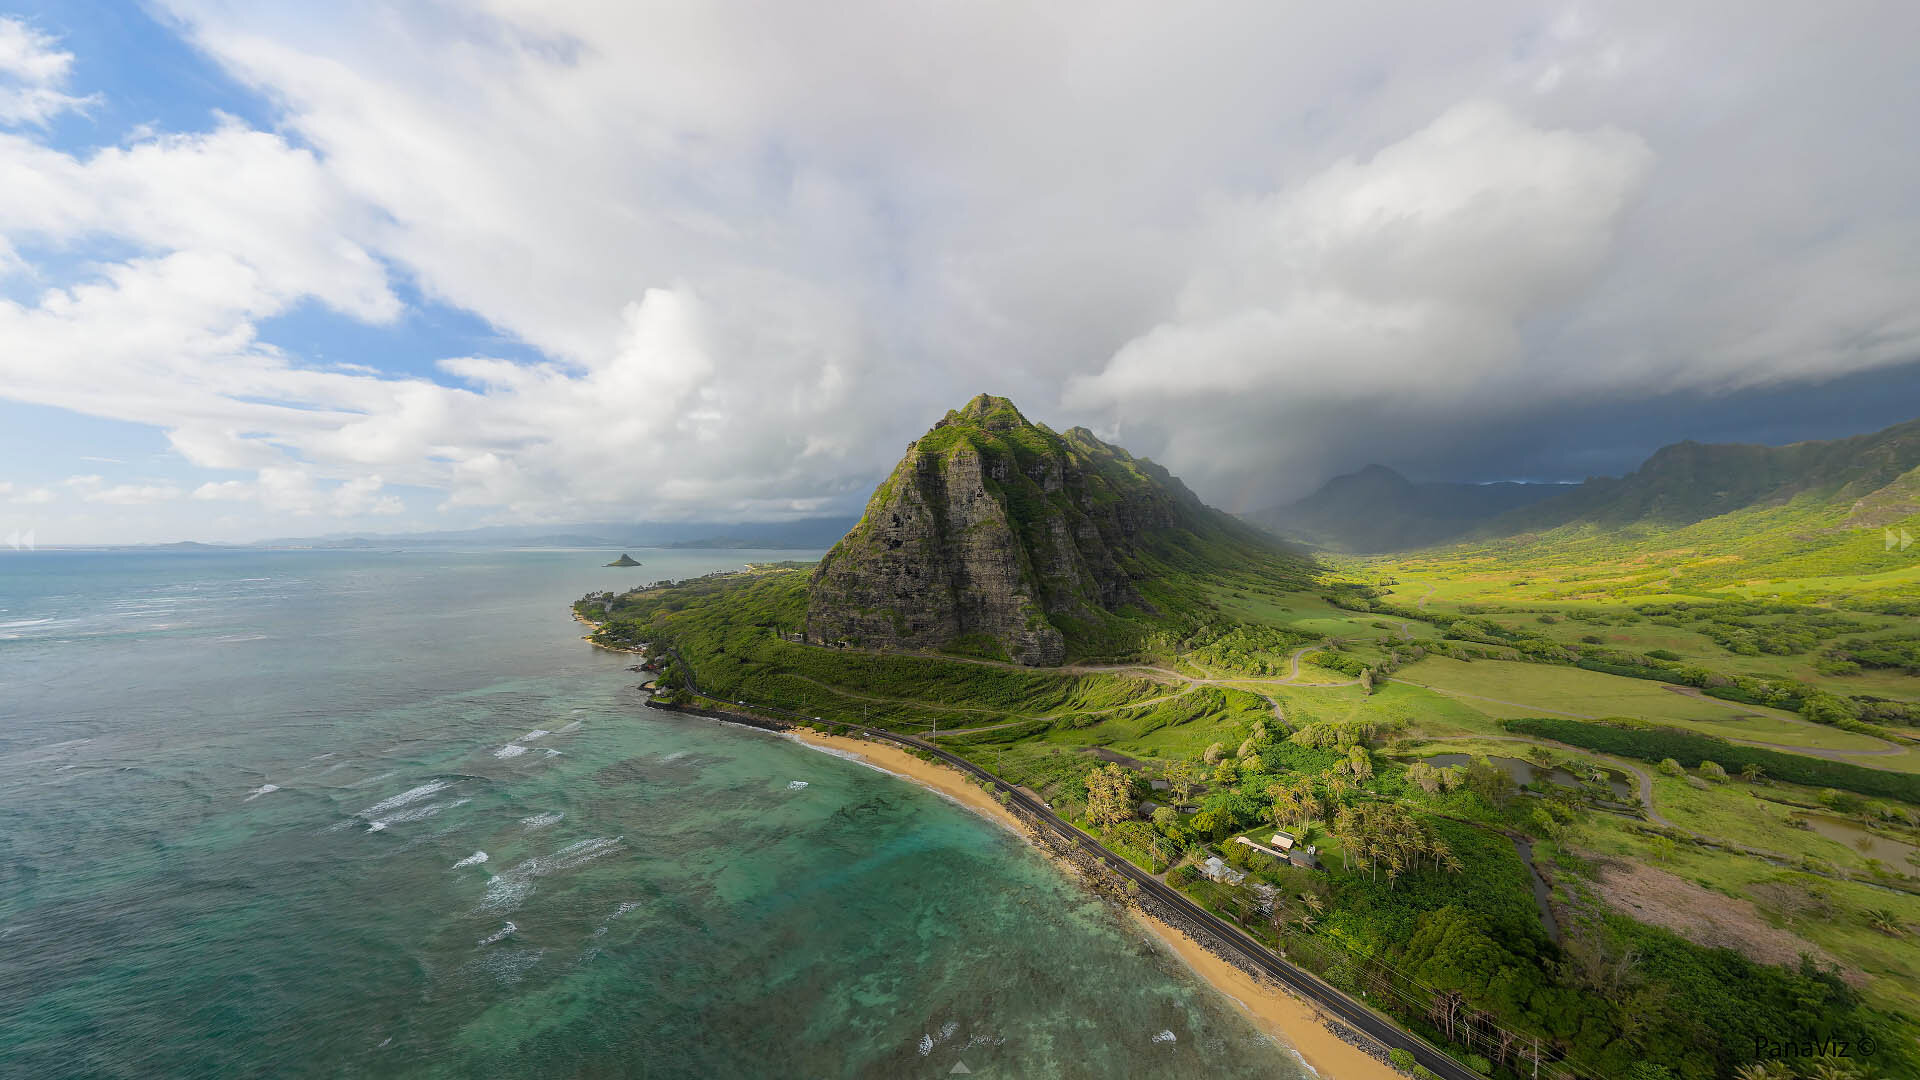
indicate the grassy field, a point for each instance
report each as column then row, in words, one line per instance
column 1228, row 691
column 1502, row 688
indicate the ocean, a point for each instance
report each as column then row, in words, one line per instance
column 313, row 813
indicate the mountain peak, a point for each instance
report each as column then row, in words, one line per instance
column 999, row 537
column 988, row 411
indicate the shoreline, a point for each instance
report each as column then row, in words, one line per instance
column 1271, row 1010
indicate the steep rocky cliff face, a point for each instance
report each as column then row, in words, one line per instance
column 1000, row 536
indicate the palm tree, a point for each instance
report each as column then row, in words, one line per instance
column 1831, row 1068
column 1886, row 922
column 1752, row 773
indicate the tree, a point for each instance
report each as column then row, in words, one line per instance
column 1670, row 767
column 1712, row 771
column 1213, row 753
column 1359, row 763
column 1752, row 773
column 1491, row 783
column 1247, row 748
column 1108, row 801
column 1166, row 819
column 1182, row 776
column 1366, row 680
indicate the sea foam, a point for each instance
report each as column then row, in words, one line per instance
column 474, row 859
column 411, row 795
column 263, row 789
column 510, row 750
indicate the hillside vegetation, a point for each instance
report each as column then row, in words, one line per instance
column 1603, row 694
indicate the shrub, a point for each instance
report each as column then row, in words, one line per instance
column 1401, row 1059
column 1670, row 767
column 1651, row 743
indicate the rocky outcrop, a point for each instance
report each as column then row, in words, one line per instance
column 1001, row 536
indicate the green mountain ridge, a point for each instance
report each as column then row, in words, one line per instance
column 1689, row 482
column 998, row 536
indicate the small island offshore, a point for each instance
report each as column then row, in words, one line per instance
column 625, row 560
column 1515, row 810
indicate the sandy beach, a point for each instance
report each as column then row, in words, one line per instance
column 949, row 782
column 1274, row 1011
column 1271, row 1010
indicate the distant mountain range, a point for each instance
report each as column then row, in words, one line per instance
column 1379, row 510
column 1867, row 481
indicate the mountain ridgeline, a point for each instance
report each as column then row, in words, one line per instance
column 997, row 537
column 1864, row 482
column 1377, row 509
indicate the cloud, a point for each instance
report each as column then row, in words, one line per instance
column 33, row 73
column 1404, row 277
column 749, row 252
column 293, row 491
column 94, row 489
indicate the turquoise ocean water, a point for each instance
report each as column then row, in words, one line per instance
column 366, row 814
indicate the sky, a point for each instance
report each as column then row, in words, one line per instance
column 276, row 269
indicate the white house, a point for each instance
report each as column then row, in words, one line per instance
column 1216, row 868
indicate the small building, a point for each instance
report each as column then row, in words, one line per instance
column 1147, row 807
column 1303, row 858
column 1283, row 841
column 1261, row 848
column 1217, row 869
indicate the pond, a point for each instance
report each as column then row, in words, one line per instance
column 1892, row 852
column 1526, row 772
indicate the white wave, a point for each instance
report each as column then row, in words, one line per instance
column 263, row 789
column 505, row 893
column 411, row 795
column 500, row 934
column 947, row 1030
column 474, row 859
column 374, row 779
column 418, row 813
column 511, row 887
column 624, row 908
column 541, row 821
column 512, row 749
column 796, row 785
column 553, row 753
column 1165, row 1037
column 568, row 729
column 534, row 734
column 675, row 756
column 926, row 1045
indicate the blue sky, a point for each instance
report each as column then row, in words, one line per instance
column 268, row 269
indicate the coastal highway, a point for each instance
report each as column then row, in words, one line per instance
column 1302, row 983
column 1306, row 985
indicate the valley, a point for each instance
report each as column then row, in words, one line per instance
column 1425, row 722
